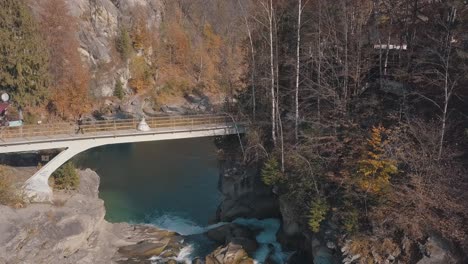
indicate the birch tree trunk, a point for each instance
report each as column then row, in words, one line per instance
column 298, row 66
column 448, row 88
column 319, row 52
column 272, row 68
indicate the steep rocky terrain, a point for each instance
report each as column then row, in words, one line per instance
column 99, row 23
column 73, row 230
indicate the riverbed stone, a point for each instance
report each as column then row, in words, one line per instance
column 144, row 249
column 230, row 254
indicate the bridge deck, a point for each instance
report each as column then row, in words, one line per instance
column 99, row 133
column 110, row 128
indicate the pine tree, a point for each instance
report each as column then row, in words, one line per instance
column 119, row 92
column 317, row 213
column 271, row 173
column 23, row 55
column 374, row 170
column 124, row 43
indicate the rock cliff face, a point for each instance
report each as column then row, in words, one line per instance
column 99, row 23
column 73, row 230
column 244, row 194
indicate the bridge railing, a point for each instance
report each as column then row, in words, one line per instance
column 110, row 126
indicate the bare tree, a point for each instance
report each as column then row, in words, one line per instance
column 269, row 10
column 437, row 70
column 272, row 67
column 449, row 84
column 252, row 53
column 298, row 65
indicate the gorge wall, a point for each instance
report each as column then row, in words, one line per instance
column 99, row 24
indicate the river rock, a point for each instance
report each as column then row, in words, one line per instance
column 234, row 234
column 230, row 254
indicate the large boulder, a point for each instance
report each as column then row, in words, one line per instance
column 44, row 233
column 244, row 194
column 291, row 225
column 437, row 250
column 234, row 234
column 230, row 254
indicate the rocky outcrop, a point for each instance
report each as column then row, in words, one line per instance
column 291, row 226
column 234, row 234
column 99, row 22
column 436, row 250
column 150, row 242
column 43, row 233
column 244, row 195
column 73, row 230
column 239, row 243
column 230, row 254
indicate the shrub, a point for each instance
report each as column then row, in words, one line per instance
column 123, row 43
column 271, row 173
column 30, row 118
column 141, row 73
column 66, row 177
column 8, row 193
column 119, row 91
column 317, row 213
column 351, row 220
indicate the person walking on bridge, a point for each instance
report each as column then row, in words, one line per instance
column 80, row 123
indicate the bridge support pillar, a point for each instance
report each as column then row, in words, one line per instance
column 37, row 187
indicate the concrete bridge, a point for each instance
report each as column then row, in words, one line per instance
column 65, row 136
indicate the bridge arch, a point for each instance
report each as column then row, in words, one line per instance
column 37, row 187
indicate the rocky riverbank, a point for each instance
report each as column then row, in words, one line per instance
column 73, row 230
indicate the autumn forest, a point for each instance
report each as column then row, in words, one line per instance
column 357, row 109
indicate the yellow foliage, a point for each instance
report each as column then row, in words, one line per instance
column 140, row 34
column 71, row 96
column 212, row 40
column 178, row 43
column 140, row 74
column 374, row 170
column 138, row 85
column 317, row 213
column 190, row 56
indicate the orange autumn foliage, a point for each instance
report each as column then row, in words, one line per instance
column 70, row 78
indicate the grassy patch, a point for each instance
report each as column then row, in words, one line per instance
column 9, row 194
